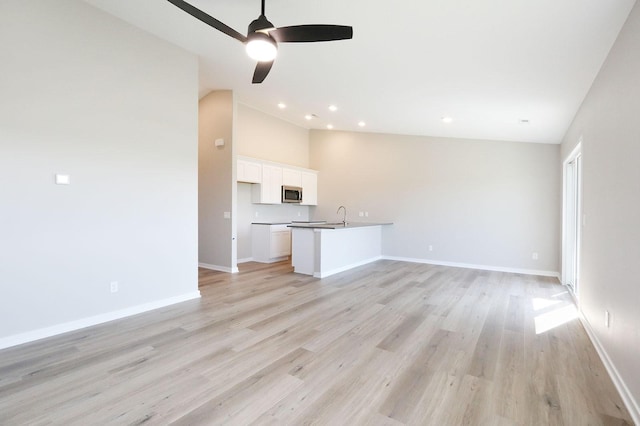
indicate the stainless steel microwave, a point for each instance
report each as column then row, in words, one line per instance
column 291, row 194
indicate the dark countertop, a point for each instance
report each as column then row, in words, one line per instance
column 295, row 222
column 336, row 225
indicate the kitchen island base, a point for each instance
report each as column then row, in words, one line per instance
column 323, row 252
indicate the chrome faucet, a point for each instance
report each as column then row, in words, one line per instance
column 344, row 218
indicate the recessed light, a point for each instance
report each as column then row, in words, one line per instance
column 524, row 121
column 329, row 126
column 362, row 124
column 282, row 105
column 310, row 117
column 447, row 120
column 333, row 108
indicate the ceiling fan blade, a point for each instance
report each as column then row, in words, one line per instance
column 208, row 19
column 262, row 69
column 311, row 33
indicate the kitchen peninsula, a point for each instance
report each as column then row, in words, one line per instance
column 323, row 249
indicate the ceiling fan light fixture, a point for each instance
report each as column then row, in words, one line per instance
column 261, row 47
column 261, row 41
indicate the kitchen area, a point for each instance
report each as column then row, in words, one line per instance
column 276, row 204
column 261, row 212
column 246, row 157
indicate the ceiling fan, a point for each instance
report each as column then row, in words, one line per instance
column 263, row 37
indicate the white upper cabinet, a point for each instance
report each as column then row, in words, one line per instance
column 269, row 191
column 291, row 177
column 268, row 178
column 249, row 171
column 309, row 183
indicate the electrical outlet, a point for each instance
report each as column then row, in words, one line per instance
column 607, row 319
column 366, row 214
column 430, row 247
column 361, row 214
column 257, row 214
column 534, row 256
column 114, row 286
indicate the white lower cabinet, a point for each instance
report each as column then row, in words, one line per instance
column 280, row 244
column 270, row 243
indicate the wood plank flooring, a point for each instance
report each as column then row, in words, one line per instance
column 389, row 343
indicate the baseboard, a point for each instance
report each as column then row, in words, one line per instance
column 30, row 336
column 273, row 260
column 541, row 273
column 218, row 268
column 245, row 260
column 345, row 268
column 627, row 398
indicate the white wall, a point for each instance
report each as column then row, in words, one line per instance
column 216, row 184
column 266, row 137
column 84, row 94
column 484, row 203
column 609, row 125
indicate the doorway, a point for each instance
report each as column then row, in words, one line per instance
column 572, row 219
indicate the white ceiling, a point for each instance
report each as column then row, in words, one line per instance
column 486, row 63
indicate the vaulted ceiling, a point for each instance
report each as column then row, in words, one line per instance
column 501, row 69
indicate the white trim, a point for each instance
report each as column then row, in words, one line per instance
column 344, row 268
column 218, row 268
column 541, row 273
column 575, row 152
column 627, row 397
column 30, row 336
column 245, row 260
column 273, row 259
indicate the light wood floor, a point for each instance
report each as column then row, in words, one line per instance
column 389, row 343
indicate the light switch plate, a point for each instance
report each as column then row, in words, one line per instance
column 63, row 179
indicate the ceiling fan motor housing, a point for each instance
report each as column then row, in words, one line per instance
column 261, row 24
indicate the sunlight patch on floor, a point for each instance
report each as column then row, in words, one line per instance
column 539, row 303
column 550, row 320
